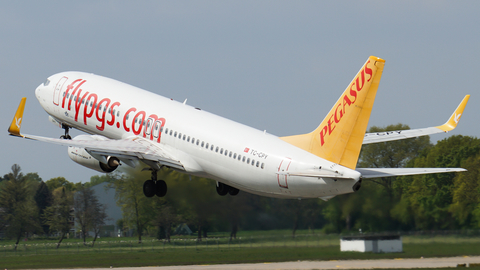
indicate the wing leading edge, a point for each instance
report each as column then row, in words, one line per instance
column 411, row 133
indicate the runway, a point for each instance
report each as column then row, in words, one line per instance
column 307, row 265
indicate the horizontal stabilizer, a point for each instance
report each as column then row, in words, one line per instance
column 390, row 172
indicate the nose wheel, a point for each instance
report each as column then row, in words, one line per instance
column 66, row 136
column 154, row 187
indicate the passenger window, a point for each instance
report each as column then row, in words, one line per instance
column 171, row 132
column 211, row 147
column 188, row 139
column 258, row 163
column 248, row 160
column 193, row 140
column 216, row 149
column 235, row 156
column 230, row 154
column 253, row 162
column 184, row 137
column 226, row 152
column 203, row 144
column 263, row 165
column 206, row 146
column 166, row 131
column 198, row 141
column 243, row 159
column 221, row 151
column 239, row 157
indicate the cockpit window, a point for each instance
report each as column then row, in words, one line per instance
column 46, row 83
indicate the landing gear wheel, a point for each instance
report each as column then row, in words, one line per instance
column 66, row 136
column 149, row 188
column 222, row 189
column 233, row 191
column 160, row 188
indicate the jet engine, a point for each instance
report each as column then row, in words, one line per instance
column 100, row 163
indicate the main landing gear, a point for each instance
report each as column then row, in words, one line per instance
column 66, row 136
column 154, row 187
column 223, row 189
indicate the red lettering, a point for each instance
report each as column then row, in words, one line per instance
column 73, row 94
column 154, row 127
column 125, row 119
column 78, row 104
column 323, row 132
column 103, row 110
column 338, row 118
column 137, row 131
column 368, row 71
column 330, row 124
column 89, row 114
column 359, row 87
column 69, row 87
column 112, row 113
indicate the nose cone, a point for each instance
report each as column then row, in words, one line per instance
column 38, row 91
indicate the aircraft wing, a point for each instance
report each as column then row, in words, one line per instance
column 389, row 172
column 411, row 133
column 136, row 148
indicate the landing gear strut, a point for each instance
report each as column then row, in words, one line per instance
column 154, row 187
column 66, row 136
column 223, row 189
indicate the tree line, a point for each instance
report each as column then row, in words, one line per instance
column 423, row 202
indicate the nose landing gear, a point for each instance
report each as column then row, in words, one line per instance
column 66, row 136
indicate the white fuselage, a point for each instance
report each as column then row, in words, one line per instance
column 206, row 144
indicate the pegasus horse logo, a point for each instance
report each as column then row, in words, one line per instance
column 18, row 122
column 457, row 118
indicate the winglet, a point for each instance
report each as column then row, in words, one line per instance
column 14, row 128
column 455, row 118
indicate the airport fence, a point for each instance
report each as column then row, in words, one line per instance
column 217, row 243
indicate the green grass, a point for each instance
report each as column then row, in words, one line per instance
column 223, row 255
column 250, row 247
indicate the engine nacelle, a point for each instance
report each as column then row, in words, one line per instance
column 82, row 157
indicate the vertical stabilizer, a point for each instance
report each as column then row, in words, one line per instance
column 340, row 135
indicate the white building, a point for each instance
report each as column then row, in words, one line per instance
column 375, row 244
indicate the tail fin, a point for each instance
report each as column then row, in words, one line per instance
column 340, row 135
column 14, row 128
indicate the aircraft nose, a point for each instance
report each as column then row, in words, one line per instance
column 38, row 91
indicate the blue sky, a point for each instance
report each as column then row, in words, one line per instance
column 274, row 65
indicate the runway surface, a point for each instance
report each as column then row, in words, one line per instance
column 347, row 264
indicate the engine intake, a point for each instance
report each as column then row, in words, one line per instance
column 81, row 156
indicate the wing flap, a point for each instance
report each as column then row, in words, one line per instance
column 390, row 172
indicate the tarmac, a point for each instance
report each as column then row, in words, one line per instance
column 465, row 261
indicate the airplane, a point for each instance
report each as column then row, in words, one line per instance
column 126, row 125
